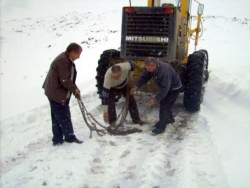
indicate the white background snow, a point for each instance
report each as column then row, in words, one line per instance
column 212, row 151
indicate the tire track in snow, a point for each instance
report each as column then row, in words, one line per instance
column 115, row 160
column 36, row 137
column 198, row 163
column 181, row 157
column 138, row 160
column 191, row 162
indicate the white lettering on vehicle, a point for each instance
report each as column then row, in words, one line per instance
column 147, row 39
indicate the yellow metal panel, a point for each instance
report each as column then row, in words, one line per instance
column 198, row 29
column 150, row 3
column 185, row 13
column 184, row 8
column 139, row 68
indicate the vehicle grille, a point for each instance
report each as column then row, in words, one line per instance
column 156, row 25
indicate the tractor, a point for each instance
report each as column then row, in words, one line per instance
column 163, row 31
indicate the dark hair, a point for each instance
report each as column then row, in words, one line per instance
column 116, row 69
column 150, row 61
column 73, row 47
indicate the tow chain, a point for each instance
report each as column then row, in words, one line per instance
column 92, row 123
column 90, row 120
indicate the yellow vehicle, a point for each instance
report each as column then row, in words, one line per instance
column 161, row 30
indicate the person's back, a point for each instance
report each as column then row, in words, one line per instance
column 125, row 74
column 166, row 70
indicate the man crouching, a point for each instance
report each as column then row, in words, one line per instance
column 116, row 82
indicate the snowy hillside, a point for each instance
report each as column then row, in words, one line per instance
column 213, row 150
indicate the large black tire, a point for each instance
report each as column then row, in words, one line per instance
column 103, row 65
column 195, row 78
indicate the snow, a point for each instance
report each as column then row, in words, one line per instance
column 212, row 151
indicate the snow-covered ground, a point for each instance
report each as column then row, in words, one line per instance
column 212, row 151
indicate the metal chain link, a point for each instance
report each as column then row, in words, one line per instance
column 92, row 123
column 88, row 118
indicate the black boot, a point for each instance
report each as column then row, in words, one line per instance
column 139, row 121
column 74, row 139
column 158, row 131
column 57, row 143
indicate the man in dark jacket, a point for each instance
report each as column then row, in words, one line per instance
column 169, row 84
column 59, row 85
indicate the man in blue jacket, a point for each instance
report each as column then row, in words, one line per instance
column 170, row 86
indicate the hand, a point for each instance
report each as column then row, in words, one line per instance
column 78, row 94
column 106, row 117
column 133, row 90
column 151, row 102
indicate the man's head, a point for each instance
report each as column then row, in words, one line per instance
column 116, row 72
column 150, row 64
column 74, row 50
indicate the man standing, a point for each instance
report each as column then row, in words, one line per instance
column 59, row 85
column 116, row 82
column 169, row 84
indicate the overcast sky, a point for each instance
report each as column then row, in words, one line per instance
column 15, row 9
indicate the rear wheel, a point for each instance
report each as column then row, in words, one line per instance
column 103, row 65
column 196, row 76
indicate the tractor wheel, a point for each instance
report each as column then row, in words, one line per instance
column 206, row 62
column 103, row 65
column 196, row 76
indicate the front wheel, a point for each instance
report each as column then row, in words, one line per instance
column 196, row 76
column 103, row 65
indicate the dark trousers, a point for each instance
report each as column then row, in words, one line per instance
column 61, row 121
column 132, row 106
column 166, row 106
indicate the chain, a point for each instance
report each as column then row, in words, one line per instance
column 89, row 120
column 92, row 123
column 123, row 113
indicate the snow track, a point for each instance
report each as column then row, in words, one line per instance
column 183, row 156
column 190, row 162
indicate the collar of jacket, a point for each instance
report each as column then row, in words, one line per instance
column 158, row 67
column 67, row 55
